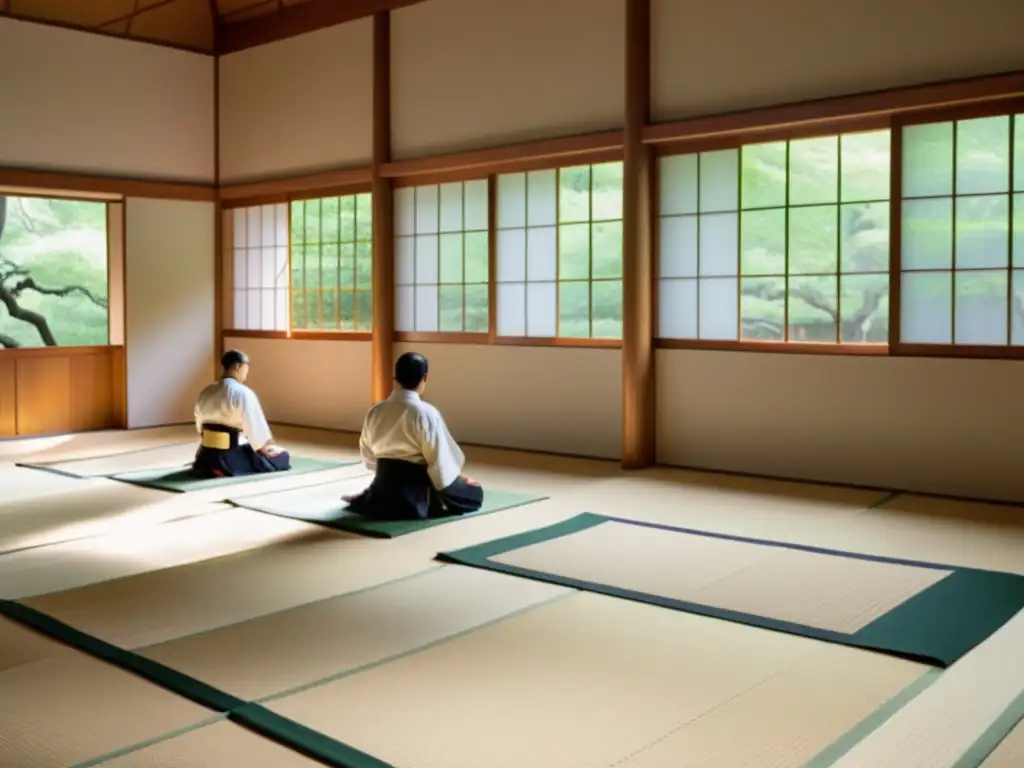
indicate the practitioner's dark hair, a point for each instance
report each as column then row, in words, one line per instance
column 232, row 358
column 410, row 370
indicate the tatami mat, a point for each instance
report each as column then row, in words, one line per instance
column 269, row 604
column 741, row 506
column 1010, row 752
column 273, row 482
column 919, row 610
column 19, row 646
column 219, row 745
column 941, row 727
column 155, row 607
column 966, row 533
column 20, row 484
column 90, row 508
column 323, row 504
column 69, row 707
column 591, row 681
column 223, row 531
column 177, row 454
column 312, row 642
column 809, row 588
column 82, row 445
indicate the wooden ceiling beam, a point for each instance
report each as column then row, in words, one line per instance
column 135, row 11
column 106, row 32
column 297, row 20
column 248, row 9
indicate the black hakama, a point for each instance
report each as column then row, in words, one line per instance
column 402, row 490
column 235, row 460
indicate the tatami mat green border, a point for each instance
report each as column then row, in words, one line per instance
column 252, row 716
column 153, row 671
column 872, row 722
column 937, row 626
column 353, row 757
column 302, row 739
column 494, row 501
column 993, row 736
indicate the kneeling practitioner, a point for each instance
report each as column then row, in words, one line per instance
column 236, row 439
column 416, row 462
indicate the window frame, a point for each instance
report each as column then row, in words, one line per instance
column 737, row 141
column 228, row 273
column 990, row 108
column 893, row 120
column 461, row 176
column 115, row 265
column 490, row 173
column 893, row 111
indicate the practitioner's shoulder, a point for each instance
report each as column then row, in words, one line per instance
column 239, row 392
column 427, row 414
column 210, row 390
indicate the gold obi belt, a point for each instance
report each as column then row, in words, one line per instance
column 217, row 437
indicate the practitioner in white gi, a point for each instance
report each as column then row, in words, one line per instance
column 417, row 464
column 236, row 439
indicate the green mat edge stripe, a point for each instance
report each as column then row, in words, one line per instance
column 364, row 527
column 163, row 676
column 488, row 549
column 761, row 622
column 986, row 744
column 951, row 633
column 252, row 716
column 298, row 737
column 948, row 644
column 838, row 748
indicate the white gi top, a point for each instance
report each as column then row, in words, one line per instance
column 232, row 404
column 405, row 427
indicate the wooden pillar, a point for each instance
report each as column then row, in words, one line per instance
column 220, row 287
column 383, row 214
column 219, row 306
column 638, row 440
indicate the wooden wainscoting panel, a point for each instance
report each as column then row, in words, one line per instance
column 8, row 396
column 91, row 384
column 118, row 389
column 44, row 394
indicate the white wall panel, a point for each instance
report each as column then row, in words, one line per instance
column 170, row 299
column 921, row 424
column 716, row 57
column 72, row 101
column 310, row 383
column 298, row 105
column 478, row 73
column 562, row 400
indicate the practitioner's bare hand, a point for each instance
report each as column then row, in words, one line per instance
column 469, row 480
